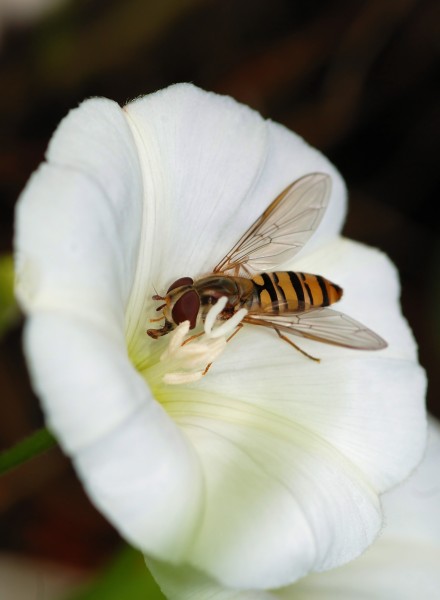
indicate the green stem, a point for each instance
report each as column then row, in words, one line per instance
column 34, row 445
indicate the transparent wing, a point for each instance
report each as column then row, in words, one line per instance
column 283, row 228
column 322, row 325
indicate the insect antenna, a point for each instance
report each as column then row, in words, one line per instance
column 157, row 296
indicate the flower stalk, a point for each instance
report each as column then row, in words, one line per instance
column 32, row 446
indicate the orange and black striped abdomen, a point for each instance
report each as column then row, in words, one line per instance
column 293, row 292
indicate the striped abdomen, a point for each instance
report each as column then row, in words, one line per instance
column 292, row 291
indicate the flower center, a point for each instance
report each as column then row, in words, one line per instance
column 188, row 360
column 178, row 359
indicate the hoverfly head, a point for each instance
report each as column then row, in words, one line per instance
column 182, row 303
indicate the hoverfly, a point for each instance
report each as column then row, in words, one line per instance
column 289, row 302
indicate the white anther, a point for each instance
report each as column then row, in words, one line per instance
column 228, row 326
column 176, row 340
column 212, row 315
column 187, row 359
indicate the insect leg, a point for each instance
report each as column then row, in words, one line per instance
column 289, row 341
column 158, row 319
column 193, row 337
column 239, row 326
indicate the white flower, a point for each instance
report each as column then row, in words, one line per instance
column 272, row 465
column 403, row 563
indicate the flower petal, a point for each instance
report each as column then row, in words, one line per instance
column 185, row 583
column 79, row 218
column 368, row 404
column 78, row 232
column 280, row 501
column 309, row 442
column 216, row 165
column 210, row 166
column 134, row 461
column 262, row 156
column 402, row 563
column 371, row 294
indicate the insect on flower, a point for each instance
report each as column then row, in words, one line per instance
column 286, row 301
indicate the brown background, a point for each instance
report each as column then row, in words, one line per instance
column 356, row 79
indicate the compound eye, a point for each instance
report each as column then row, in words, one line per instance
column 187, row 308
column 180, row 282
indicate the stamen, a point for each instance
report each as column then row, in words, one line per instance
column 178, row 378
column 187, row 359
column 214, row 312
column 176, row 340
column 228, row 326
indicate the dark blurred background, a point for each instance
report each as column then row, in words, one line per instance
column 359, row 80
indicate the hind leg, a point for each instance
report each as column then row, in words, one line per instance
column 239, row 326
column 289, row 341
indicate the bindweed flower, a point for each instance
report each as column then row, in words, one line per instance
column 272, row 465
column 402, row 563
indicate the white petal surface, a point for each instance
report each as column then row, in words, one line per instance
column 312, row 444
column 353, row 399
column 77, row 239
column 371, row 295
column 79, row 217
column 184, row 583
column 403, row 563
column 133, row 460
column 279, row 500
column 210, row 168
column 78, row 230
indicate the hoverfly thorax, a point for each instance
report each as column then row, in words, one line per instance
column 182, row 303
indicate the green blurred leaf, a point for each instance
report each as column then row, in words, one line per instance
column 9, row 312
column 127, row 578
column 34, row 445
